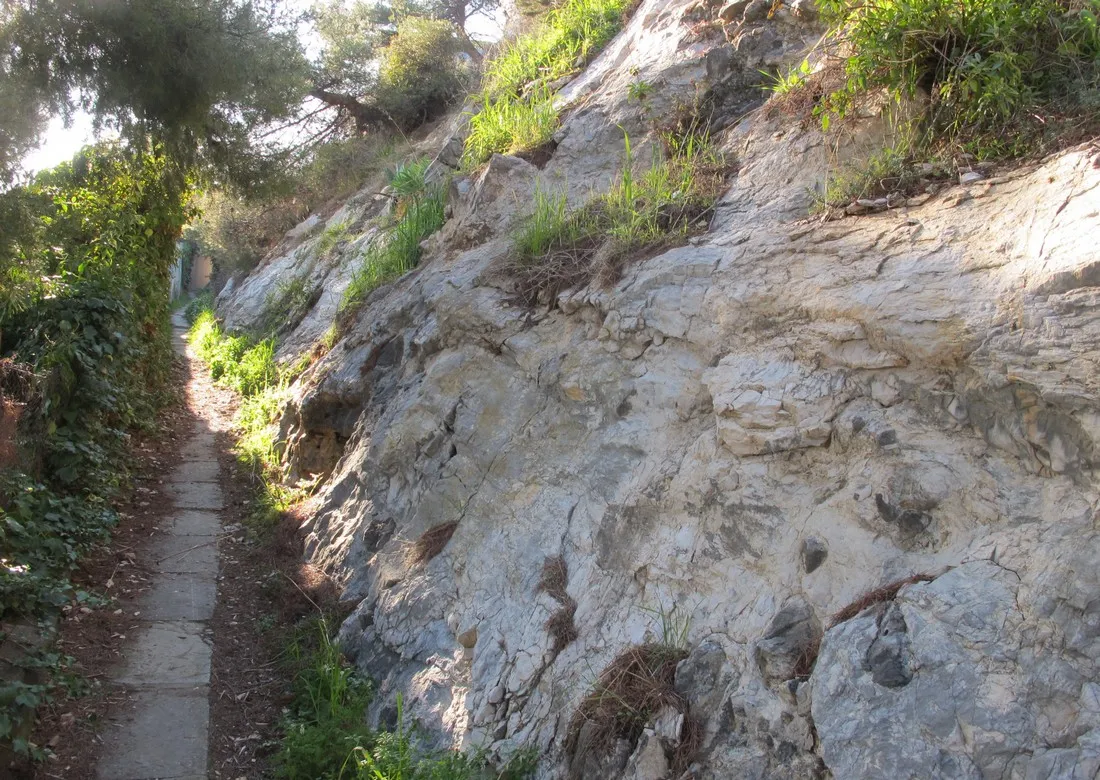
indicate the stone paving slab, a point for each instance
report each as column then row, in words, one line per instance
column 164, row 736
column 196, row 471
column 196, row 495
column 200, row 448
column 171, row 653
column 186, row 596
column 188, row 554
column 194, row 522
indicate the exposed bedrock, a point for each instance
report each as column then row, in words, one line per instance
column 771, row 429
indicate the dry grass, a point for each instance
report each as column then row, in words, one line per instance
column 691, row 739
column 555, row 576
column 432, row 542
column 807, row 659
column 876, row 596
column 562, row 268
column 629, row 692
column 560, row 626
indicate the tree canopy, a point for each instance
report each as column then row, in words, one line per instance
column 197, row 77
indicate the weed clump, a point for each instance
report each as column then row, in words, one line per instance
column 981, row 80
column 418, row 212
column 994, row 70
column 560, row 626
column 559, row 249
column 326, row 737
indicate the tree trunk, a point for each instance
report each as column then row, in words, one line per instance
column 364, row 115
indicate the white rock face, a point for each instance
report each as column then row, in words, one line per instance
column 756, row 428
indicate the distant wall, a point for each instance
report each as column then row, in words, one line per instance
column 201, row 270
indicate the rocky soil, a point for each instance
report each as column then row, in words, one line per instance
column 850, row 466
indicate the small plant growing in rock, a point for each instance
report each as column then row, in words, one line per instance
column 332, row 236
column 639, row 90
column 559, row 249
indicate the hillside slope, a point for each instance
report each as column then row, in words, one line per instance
column 756, row 428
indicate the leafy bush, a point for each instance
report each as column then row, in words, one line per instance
column 203, row 301
column 1001, row 74
column 420, row 75
column 86, row 346
column 516, row 111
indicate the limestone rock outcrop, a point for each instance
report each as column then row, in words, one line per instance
column 728, row 448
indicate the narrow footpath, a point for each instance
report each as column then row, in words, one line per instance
column 163, row 734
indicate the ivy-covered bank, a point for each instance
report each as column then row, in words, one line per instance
column 85, row 251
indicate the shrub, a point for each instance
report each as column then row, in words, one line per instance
column 419, row 74
column 997, row 71
column 85, row 253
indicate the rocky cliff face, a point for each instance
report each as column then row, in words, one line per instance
column 842, row 474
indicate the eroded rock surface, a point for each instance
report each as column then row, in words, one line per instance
column 757, row 428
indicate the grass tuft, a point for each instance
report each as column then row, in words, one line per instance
column 516, row 111
column 419, row 212
column 628, row 693
column 558, row 249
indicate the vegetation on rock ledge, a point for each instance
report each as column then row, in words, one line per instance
column 980, row 80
